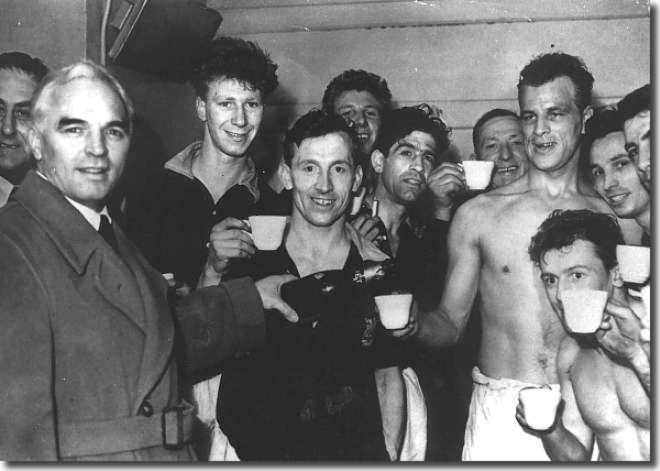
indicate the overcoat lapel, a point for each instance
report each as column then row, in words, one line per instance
column 158, row 327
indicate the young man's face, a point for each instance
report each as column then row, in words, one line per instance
column 615, row 176
column 362, row 109
column 574, row 267
column 232, row 115
column 500, row 140
column 322, row 177
column 82, row 142
column 637, row 131
column 403, row 174
column 16, row 90
column 552, row 123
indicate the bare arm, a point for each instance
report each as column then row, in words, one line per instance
column 570, row 439
column 392, row 400
column 444, row 325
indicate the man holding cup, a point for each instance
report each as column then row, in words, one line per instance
column 520, row 332
column 603, row 371
column 194, row 211
column 90, row 369
column 330, row 389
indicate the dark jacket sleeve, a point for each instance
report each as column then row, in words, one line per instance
column 218, row 322
column 27, row 405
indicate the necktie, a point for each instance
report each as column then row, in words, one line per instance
column 105, row 229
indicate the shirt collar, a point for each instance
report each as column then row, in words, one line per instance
column 5, row 190
column 91, row 216
column 182, row 162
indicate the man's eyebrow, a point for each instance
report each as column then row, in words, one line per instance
column 23, row 104
column 64, row 122
column 120, row 123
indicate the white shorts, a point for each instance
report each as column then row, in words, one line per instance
column 492, row 432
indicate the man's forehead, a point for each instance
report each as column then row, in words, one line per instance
column 224, row 86
column 333, row 146
column 17, row 83
column 499, row 125
column 580, row 251
column 417, row 139
column 560, row 90
column 81, row 95
column 356, row 98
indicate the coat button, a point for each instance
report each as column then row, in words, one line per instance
column 146, row 409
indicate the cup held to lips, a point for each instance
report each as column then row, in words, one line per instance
column 583, row 309
column 477, row 173
column 540, row 405
column 394, row 309
column 267, row 231
column 634, row 263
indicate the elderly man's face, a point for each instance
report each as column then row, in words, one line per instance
column 82, row 141
column 16, row 90
column 500, row 140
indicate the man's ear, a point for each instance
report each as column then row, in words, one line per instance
column 284, row 172
column 377, row 161
column 200, row 107
column 586, row 114
column 358, row 178
column 34, row 142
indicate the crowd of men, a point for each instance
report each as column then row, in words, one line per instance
column 104, row 356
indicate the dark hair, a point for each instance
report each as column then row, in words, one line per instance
column 317, row 123
column 635, row 102
column 604, row 121
column 546, row 67
column 402, row 121
column 359, row 80
column 20, row 61
column 237, row 59
column 487, row 116
column 563, row 227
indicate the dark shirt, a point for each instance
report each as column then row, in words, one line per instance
column 421, row 258
column 172, row 219
column 310, row 394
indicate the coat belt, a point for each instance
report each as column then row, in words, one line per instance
column 171, row 429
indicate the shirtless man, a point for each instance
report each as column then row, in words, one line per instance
column 487, row 253
column 577, row 250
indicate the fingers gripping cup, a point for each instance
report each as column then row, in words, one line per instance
column 267, row 231
column 394, row 310
column 583, row 309
column 634, row 263
column 477, row 173
column 540, row 405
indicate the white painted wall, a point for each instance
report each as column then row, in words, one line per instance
column 465, row 58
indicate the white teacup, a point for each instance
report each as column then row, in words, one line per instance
column 394, row 310
column 540, row 404
column 477, row 173
column 267, row 231
column 583, row 309
column 634, row 263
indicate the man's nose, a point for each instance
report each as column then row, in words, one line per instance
column 238, row 117
column 505, row 152
column 96, row 144
column 324, row 182
column 8, row 125
column 360, row 118
column 418, row 163
column 541, row 126
column 611, row 181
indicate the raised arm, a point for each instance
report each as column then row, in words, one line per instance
column 444, row 324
